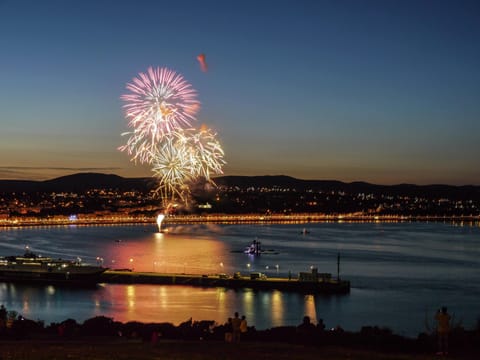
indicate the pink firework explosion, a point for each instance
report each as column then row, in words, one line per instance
column 160, row 102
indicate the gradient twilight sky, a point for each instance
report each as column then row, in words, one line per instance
column 379, row 91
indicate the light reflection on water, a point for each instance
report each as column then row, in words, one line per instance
column 166, row 253
column 400, row 273
column 148, row 303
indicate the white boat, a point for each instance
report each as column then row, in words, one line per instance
column 254, row 248
column 35, row 268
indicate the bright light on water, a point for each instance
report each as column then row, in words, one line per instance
column 160, row 218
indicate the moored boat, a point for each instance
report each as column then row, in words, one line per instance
column 31, row 267
column 255, row 248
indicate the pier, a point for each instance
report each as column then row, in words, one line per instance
column 321, row 284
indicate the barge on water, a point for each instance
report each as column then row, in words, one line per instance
column 310, row 282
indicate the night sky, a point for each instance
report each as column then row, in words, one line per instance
column 379, row 91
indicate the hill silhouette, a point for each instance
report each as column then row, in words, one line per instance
column 411, row 190
column 82, row 182
column 77, row 183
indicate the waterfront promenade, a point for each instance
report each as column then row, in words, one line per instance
column 300, row 218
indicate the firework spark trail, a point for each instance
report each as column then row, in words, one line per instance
column 208, row 153
column 140, row 149
column 160, row 108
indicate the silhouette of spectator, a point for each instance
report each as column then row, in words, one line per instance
column 306, row 330
column 243, row 325
column 3, row 317
column 61, row 329
column 11, row 316
column 443, row 328
column 236, row 321
column 306, row 324
column 229, row 330
column 154, row 337
column 320, row 325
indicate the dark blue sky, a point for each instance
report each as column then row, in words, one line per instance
column 380, row 91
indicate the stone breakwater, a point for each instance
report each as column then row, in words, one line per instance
column 323, row 285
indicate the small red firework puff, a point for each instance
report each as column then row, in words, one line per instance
column 202, row 62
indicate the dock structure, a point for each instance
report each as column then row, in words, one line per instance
column 321, row 284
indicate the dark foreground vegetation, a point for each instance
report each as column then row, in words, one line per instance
column 104, row 338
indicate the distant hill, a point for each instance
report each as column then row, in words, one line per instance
column 411, row 190
column 82, row 182
column 77, row 183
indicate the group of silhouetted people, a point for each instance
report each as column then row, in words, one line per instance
column 235, row 327
column 442, row 317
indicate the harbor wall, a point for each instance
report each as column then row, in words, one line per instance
column 330, row 286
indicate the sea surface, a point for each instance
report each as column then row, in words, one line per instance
column 400, row 273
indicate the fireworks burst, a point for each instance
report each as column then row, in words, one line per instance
column 160, row 102
column 160, row 108
column 172, row 167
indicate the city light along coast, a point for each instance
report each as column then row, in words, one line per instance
column 303, row 218
column 306, row 282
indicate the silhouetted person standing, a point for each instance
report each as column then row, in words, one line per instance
column 306, row 330
column 3, row 317
column 229, row 331
column 243, row 324
column 236, row 321
column 443, row 328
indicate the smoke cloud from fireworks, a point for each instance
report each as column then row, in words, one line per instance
column 160, row 108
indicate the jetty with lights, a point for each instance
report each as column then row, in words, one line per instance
column 311, row 282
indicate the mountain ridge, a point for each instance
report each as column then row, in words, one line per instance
column 81, row 182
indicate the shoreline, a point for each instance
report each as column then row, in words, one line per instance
column 304, row 218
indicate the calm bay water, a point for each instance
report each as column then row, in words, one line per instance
column 400, row 273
